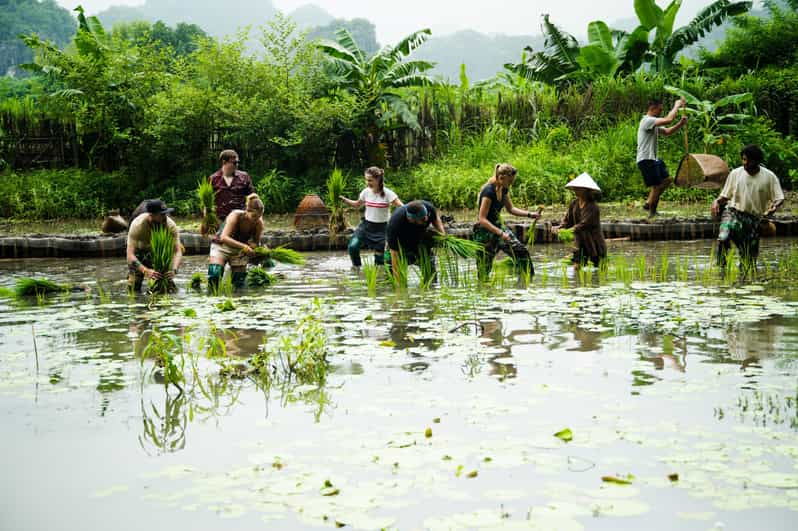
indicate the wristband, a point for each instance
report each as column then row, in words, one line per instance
column 135, row 264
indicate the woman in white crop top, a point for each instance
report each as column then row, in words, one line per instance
column 377, row 199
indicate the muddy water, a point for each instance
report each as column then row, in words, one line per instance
column 439, row 410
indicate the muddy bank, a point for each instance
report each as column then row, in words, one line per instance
column 103, row 245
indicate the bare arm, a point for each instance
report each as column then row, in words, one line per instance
column 668, row 131
column 131, row 259
column 671, row 116
column 508, row 205
column 774, row 206
column 397, row 202
column 438, row 224
column 353, row 204
column 717, row 205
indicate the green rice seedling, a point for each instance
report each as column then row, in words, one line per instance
column 167, row 350
column 105, row 297
column 565, row 235
column 426, row 267
column 458, row 246
column 227, row 305
column 280, row 254
column 564, row 275
column 583, row 275
column 400, row 274
column 663, row 267
column 336, row 184
column 371, row 273
column 525, row 273
column 197, row 281
column 604, row 269
column 640, row 267
column 207, row 199
column 544, row 276
column 6, row 293
column 36, row 287
column 258, row 277
column 162, row 244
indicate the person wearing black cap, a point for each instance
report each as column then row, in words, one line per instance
column 139, row 254
column 407, row 232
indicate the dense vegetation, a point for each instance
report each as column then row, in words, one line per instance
column 143, row 110
column 21, row 17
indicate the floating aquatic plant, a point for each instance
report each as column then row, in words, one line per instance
column 36, row 287
column 258, row 277
column 162, row 244
column 207, row 199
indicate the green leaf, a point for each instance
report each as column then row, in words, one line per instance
column 648, row 13
column 598, row 33
column 565, row 435
column 618, row 480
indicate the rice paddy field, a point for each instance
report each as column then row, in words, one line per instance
column 654, row 393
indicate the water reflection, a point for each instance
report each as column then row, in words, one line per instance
column 164, row 422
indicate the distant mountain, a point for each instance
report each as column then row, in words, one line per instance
column 363, row 31
column 484, row 55
column 22, row 17
column 217, row 18
column 310, row 16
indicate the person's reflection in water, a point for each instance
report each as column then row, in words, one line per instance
column 587, row 341
column 751, row 342
column 663, row 350
column 500, row 364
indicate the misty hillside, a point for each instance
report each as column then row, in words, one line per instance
column 484, row 55
column 216, row 18
column 310, row 16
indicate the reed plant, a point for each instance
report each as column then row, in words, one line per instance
column 162, row 245
column 207, row 199
column 336, row 184
column 37, row 287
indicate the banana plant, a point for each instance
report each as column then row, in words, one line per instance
column 612, row 52
column 710, row 119
column 667, row 43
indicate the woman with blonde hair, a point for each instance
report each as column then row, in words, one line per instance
column 491, row 231
column 242, row 231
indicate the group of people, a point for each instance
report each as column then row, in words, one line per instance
column 750, row 194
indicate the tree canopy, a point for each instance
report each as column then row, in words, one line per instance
column 21, row 17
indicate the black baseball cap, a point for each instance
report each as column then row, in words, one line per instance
column 156, row 206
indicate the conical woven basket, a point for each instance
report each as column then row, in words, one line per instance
column 700, row 170
column 311, row 213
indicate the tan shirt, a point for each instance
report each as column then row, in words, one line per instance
column 138, row 236
column 752, row 194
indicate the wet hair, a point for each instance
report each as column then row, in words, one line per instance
column 253, row 201
column 416, row 209
column 753, row 153
column 654, row 102
column 377, row 173
column 227, row 155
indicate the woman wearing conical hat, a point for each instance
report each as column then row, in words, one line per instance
column 584, row 218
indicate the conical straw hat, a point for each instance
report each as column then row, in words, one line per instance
column 584, row 181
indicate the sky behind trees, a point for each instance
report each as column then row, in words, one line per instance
column 513, row 17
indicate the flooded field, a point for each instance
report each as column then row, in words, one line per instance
column 641, row 401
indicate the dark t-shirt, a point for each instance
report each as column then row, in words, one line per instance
column 402, row 232
column 489, row 191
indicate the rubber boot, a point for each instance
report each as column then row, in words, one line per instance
column 354, row 251
column 239, row 279
column 215, row 272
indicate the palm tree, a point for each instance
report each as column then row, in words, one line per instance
column 373, row 81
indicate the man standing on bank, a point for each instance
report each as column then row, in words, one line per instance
column 655, row 173
column 751, row 193
column 230, row 185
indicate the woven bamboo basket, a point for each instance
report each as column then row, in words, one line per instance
column 701, row 170
column 311, row 214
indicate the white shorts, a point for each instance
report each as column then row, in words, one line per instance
column 232, row 255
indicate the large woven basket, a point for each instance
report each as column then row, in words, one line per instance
column 700, row 170
column 311, row 213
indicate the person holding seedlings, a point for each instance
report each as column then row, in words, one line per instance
column 407, row 232
column 584, row 219
column 377, row 199
column 139, row 252
column 242, row 230
column 751, row 193
column 490, row 231
column 655, row 173
column 231, row 186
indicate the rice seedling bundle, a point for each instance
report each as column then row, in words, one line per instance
column 36, row 287
column 258, row 277
column 335, row 188
column 278, row 254
column 162, row 245
column 370, row 272
column 565, row 235
column 196, row 282
column 207, row 199
column 459, row 246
